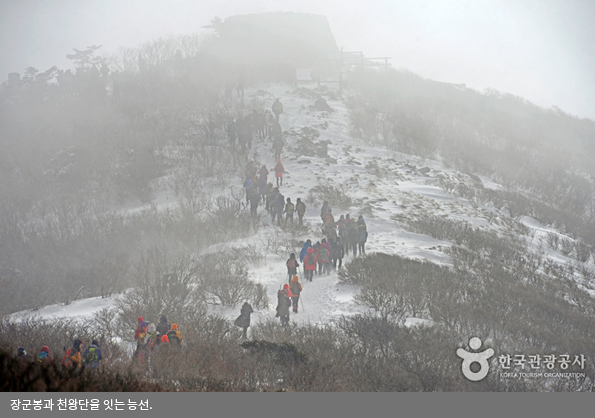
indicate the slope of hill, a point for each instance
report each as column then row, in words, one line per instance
column 402, row 199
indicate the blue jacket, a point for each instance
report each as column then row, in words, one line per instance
column 304, row 251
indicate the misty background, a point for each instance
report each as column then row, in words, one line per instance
column 540, row 50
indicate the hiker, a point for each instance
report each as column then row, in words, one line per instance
column 44, row 355
column 244, row 130
column 277, row 132
column 278, row 208
column 309, row 263
column 243, row 321
column 277, row 109
column 330, row 230
column 259, row 123
column 92, row 355
column 141, row 354
column 269, row 120
column 301, row 210
column 141, row 327
column 288, row 211
column 337, row 253
column 232, row 133
column 324, row 258
column 254, row 199
column 248, row 185
column 151, row 333
column 292, row 266
column 318, row 266
column 304, row 250
column 263, row 173
column 278, row 145
column 22, row 353
column 173, row 335
column 347, row 237
column 270, row 199
column 163, row 326
column 263, row 189
column 155, row 344
column 279, row 169
column 325, row 210
column 343, row 233
column 283, row 304
column 353, row 236
column 362, row 234
column 72, row 357
column 296, row 289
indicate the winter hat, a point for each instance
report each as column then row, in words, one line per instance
column 342, row 217
column 151, row 328
column 292, row 255
column 45, row 349
column 310, row 250
column 77, row 343
column 295, row 278
column 94, row 342
column 174, row 326
column 163, row 318
column 285, row 286
column 21, row 350
column 164, row 339
column 139, row 319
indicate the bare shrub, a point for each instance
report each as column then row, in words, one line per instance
column 334, row 195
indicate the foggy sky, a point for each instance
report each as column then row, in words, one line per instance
column 538, row 49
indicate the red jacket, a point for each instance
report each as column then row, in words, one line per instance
column 307, row 259
column 279, row 169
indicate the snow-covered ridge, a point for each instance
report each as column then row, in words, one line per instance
column 386, row 187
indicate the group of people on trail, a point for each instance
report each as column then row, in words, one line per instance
column 328, row 254
column 351, row 235
column 265, row 124
column 258, row 189
column 152, row 338
column 72, row 357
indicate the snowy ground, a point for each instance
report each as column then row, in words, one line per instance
column 383, row 184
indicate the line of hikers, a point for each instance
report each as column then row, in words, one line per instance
column 351, row 234
column 265, row 124
column 288, row 297
column 257, row 189
column 73, row 357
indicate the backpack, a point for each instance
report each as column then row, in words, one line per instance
column 323, row 255
column 172, row 335
column 310, row 260
column 301, row 207
column 295, row 288
column 66, row 360
column 142, row 337
column 291, row 263
column 91, row 355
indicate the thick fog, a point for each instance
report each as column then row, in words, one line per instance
column 534, row 49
